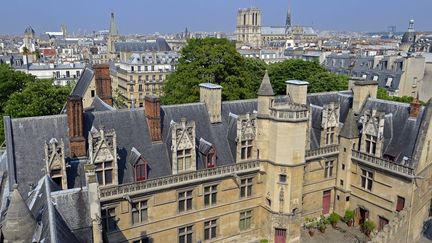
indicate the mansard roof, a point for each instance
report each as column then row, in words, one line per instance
column 26, row 145
column 159, row 44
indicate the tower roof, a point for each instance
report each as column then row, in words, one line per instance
column 19, row 222
column 350, row 128
column 29, row 30
column 113, row 26
column 265, row 88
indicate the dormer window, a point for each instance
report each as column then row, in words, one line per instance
column 184, row 159
column 139, row 164
column 246, row 149
column 330, row 134
column 370, row 144
column 211, row 158
column 140, row 171
column 330, row 124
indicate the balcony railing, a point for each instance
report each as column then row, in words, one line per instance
column 383, row 164
column 322, row 152
column 160, row 183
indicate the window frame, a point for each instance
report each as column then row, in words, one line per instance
column 328, row 168
column 246, row 147
column 212, row 227
column 106, row 217
column 104, row 169
column 142, row 207
column 182, row 156
column 246, row 188
column 183, row 200
column 186, row 233
column 245, row 219
column 366, row 179
column 211, row 194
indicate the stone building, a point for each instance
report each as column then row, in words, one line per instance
column 251, row 33
column 237, row 171
column 399, row 74
column 143, row 68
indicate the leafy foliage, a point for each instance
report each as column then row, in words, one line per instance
column 217, row 61
column 212, row 60
column 21, row 95
column 383, row 95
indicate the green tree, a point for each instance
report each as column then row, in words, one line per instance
column 10, row 82
column 212, row 60
column 319, row 78
column 383, row 95
column 38, row 98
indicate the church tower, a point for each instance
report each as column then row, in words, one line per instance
column 248, row 29
column 409, row 37
column 288, row 17
column 113, row 35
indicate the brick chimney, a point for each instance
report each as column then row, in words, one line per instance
column 414, row 108
column 152, row 113
column 103, row 83
column 75, row 119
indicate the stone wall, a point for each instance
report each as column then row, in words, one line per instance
column 396, row 231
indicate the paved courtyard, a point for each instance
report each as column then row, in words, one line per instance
column 342, row 233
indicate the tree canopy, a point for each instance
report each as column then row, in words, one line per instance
column 212, row 60
column 21, row 95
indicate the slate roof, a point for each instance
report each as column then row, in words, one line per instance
column 400, row 131
column 159, row 45
column 100, row 105
column 83, row 82
column 29, row 134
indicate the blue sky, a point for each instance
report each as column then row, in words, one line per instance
column 145, row 16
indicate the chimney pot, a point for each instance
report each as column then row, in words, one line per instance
column 152, row 113
column 103, row 83
column 415, row 108
column 75, row 118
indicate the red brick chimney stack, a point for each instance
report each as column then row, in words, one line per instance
column 103, row 83
column 75, row 119
column 414, row 108
column 152, row 113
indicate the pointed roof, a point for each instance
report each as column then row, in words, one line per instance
column 265, row 88
column 19, row 224
column 350, row 128
column 113, row 26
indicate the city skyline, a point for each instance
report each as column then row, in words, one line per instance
column 215, row 16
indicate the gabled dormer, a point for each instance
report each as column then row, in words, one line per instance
column 183, row 146
column 139, row 165
column 246, row 133
column 372, row 134
column 330, row 124
column 208, row 153
column 103, row 155
column 55, row 162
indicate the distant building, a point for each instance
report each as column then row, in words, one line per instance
column 62, row 74
column 401, row 75
column 143, row 68
column 29, row 40
column 250, row 33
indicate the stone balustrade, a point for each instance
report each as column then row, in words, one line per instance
column 108, row 193
column 322, row 152
column 383, row 164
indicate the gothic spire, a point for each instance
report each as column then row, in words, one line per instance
column 113, row 27
column 288, row 17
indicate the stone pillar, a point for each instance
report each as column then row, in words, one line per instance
column 94, row 202
column 75, row 119
column 297, row 90
column 152, row 113
column 211, row 95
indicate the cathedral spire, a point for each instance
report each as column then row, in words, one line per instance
column 288, row 17
column 113, row 26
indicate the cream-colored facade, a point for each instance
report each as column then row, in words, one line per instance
column 271, row 193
